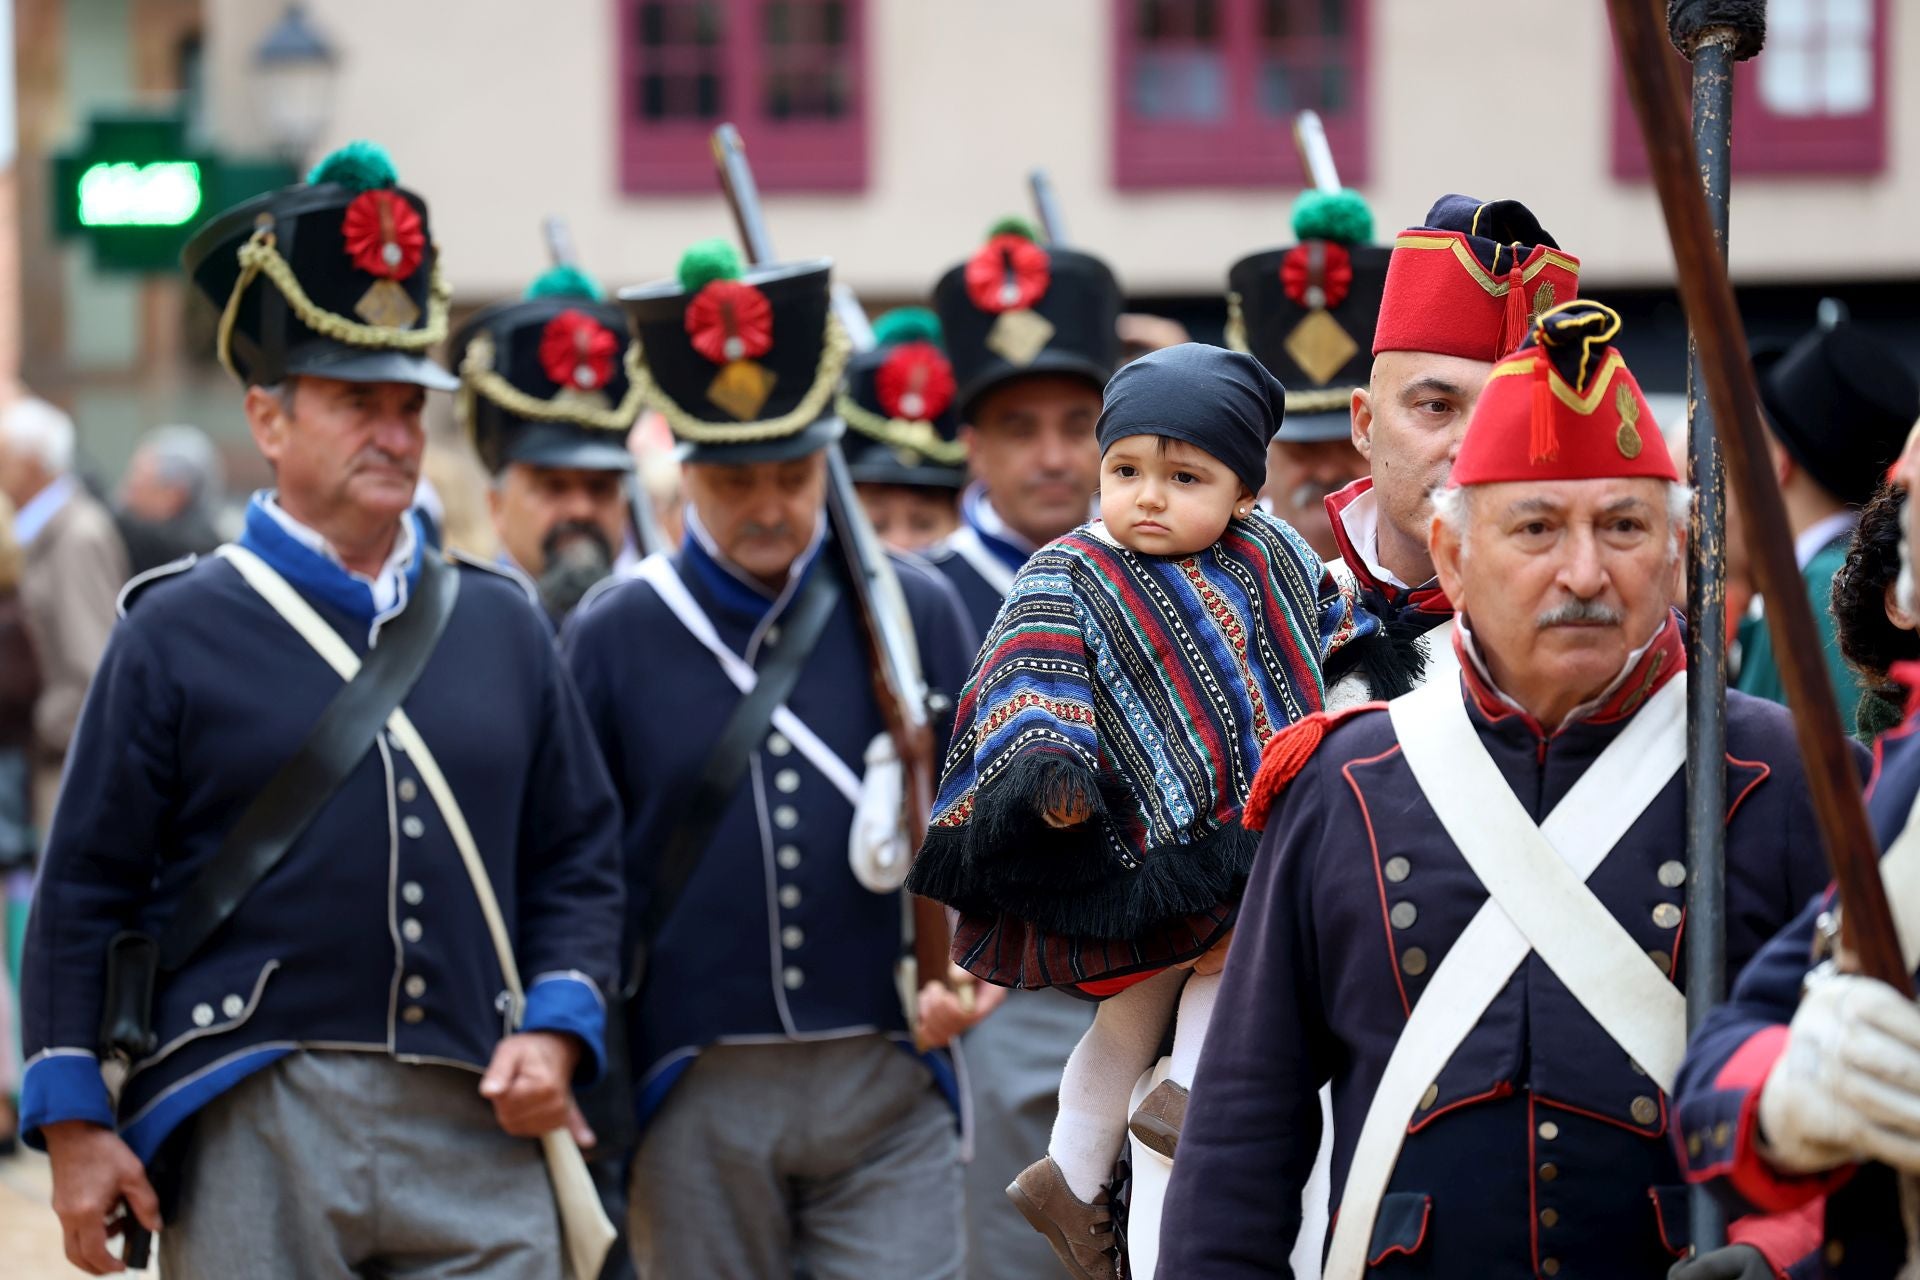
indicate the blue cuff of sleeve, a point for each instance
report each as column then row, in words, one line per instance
column 62, row 1084
column 571, row 1003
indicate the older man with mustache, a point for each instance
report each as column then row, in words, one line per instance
column 1491, row 984
column 334, row 810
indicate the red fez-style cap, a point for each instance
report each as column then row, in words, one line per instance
column 1564, row 407
column 1471, row 281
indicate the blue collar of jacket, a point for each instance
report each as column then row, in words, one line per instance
column 733, row 588
column 1008, row 547
column 320, row 576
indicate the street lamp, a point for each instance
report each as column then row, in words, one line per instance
column 293, row 72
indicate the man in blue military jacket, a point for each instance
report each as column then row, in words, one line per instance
column 786, row 1119
column 1031, row 330
column 1806, row 1083
column 1467, row 910
column 339, row 1084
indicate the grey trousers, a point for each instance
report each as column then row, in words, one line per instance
column 327, row 1166
column 837, row 1157
column 1014, row 1060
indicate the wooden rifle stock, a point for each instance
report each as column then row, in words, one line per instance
column 1653, row 82
column 892, row 664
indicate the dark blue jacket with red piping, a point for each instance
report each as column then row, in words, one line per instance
column 1542, row 1149
column 1717, row 1118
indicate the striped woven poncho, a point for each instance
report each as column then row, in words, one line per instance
column 1150, row 684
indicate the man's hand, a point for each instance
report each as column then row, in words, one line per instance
column 530, row 1083
column 943, row 1014
column 93, row 1171
column 1735, row 1262
column 1848, row 1086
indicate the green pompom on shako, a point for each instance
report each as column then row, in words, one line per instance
column 565, row 281
column 1015, row 225
column 908, row 324
column 1340, row 216
column 358, row 166
column 707, row 261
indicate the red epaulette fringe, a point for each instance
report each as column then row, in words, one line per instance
column 1286, row 754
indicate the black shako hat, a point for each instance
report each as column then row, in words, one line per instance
column 1222, row 401
column 743, row 363
column 1840, row 401
column 900, row 406
column 1017, row 307
column 336, row 277
column 544, row 380
column 1307, row 311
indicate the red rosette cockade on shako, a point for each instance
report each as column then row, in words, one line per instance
column 914, row 382
column 383, row 235
column 578, row 351
column 1010, row 272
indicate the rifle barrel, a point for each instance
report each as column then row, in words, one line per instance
column 1046, row 204
column 1654, row 85
column 1316, row 156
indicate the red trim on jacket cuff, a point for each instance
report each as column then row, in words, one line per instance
column 1783, row 1238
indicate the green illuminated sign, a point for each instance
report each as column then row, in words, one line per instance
column 135, row 189
column 165, row 193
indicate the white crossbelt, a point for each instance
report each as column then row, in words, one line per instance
column 1535, row 876
column 658, row 572
column 967, row 544
column 586, row 1233
column 1900, row 872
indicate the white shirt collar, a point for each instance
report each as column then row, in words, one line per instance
column 389, row 587
column 31, row 520
column 1362, row 520
column 1820, row 533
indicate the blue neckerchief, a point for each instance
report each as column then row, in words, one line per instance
column 313, row 574
column 992, row 532
column 731, row 587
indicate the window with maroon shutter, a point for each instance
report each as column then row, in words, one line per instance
column 1206, row 91
column 1812, row 102
column 790, row 73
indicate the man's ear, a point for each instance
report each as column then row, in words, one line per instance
column 1448, row 551
column 1895, row 614
column 1360, row 415
column 268, row 421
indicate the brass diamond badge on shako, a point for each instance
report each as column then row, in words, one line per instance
column 1320, row 346
column 1628, row 437
column 741, row 388
column 1018, row 337
column 386, row 304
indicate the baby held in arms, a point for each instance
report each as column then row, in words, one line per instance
column 1087, row 827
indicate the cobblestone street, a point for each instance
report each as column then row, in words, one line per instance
column 29, row 1233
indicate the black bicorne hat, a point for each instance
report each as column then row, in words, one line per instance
column 900, row 403
column 1841, row 402
column 335, row 277
column 1307, row 311
column 544, row 380
column 743, row 363
column 1017, row 307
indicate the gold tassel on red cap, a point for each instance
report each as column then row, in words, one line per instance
column 1543, row 441
column 1518, row 318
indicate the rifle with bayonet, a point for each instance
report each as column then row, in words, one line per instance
column 893, row 656
column 647, row 535
column 1046, row 204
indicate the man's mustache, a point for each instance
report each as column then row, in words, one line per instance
column 1580, row 613
column 757, row 530
column 374, row 455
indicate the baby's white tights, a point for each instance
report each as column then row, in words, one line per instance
column 1119, row 1047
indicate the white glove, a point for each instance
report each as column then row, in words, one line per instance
column 1848, row 1086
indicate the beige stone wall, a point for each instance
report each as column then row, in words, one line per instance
column 503, row 111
